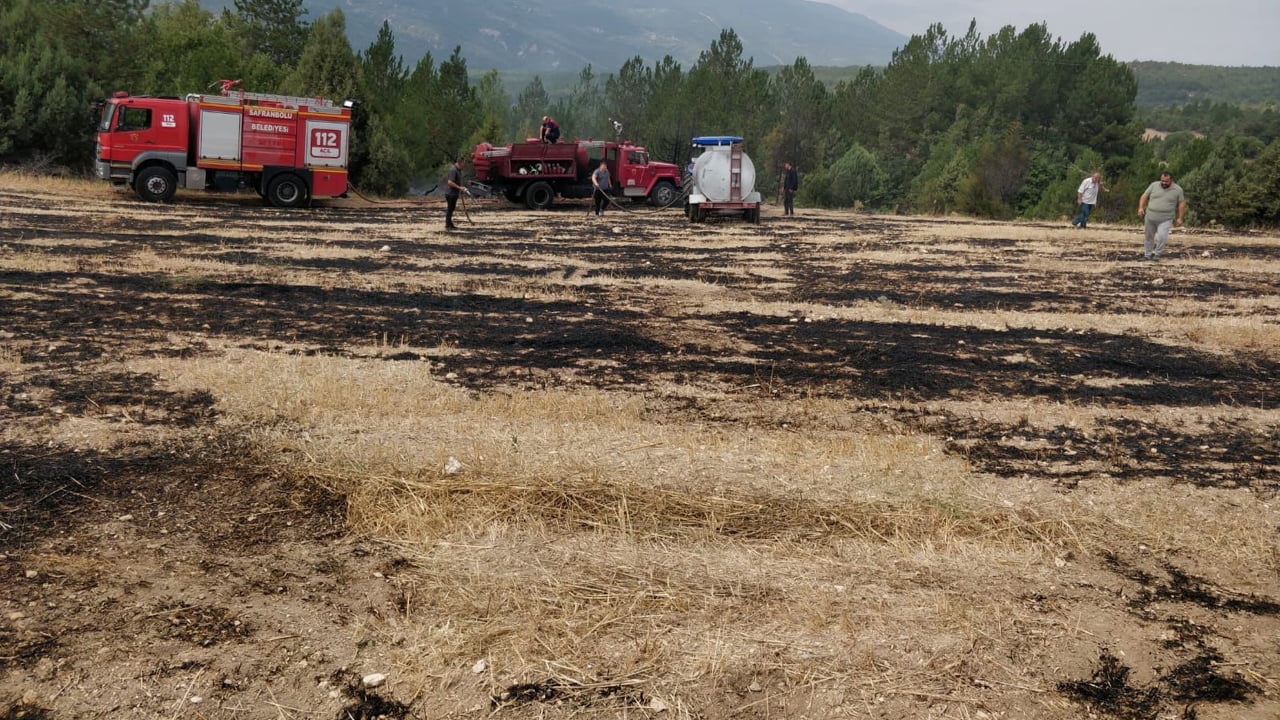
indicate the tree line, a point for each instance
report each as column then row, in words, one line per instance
column 1165, row 84
column 1001, row 126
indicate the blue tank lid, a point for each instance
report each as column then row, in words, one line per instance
column 716, row 140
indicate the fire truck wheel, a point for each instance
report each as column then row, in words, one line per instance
column 156, row 184
column 538, row 196
column 664, row 194
column 286, row 191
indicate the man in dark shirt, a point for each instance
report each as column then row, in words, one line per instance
column 790, row 184
column 455, row 188
column 550, row 130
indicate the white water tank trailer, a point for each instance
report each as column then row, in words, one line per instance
column 724, row 180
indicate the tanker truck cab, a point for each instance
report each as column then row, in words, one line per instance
column 723, row 180
column 639, row 178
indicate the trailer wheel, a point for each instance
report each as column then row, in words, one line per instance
column 538, row 196
column 286, row 191
column 664, row 194
column 156, row 184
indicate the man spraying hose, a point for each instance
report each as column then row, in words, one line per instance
column 453, row 191
column 601, row 182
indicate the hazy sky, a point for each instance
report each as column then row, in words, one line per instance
column 1203, row 32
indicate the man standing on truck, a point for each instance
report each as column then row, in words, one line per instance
column 454, row 189
column 550, row 130
column 601, row 182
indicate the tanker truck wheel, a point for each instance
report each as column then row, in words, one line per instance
column 664, row 194
column 538, row 196
column 156, row 184
column 286, row 191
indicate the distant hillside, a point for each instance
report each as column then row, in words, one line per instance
column 559, row 84
column 1161, row 84
column 550, row 35
column 523, row 38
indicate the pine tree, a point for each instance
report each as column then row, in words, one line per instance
column 383, row 72
column 627, row 97
column 187, row 50
column 45, row 90
column 803, row 109
column 531, row 104
column 328, row 67
column 273, row 28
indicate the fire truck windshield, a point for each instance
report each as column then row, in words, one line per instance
column 104, row 122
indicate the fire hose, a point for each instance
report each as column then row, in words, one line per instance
column 368, row 199
column 679, row 197
column 466, row 210
column 462, row 198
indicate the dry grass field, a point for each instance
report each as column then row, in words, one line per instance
column 556, row 466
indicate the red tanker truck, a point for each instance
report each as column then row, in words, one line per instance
column 288, row 149
column 534, row 172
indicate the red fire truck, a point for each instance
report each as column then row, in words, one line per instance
column 534, row 172
column 288, row 149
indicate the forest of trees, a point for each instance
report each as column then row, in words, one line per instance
column 1001, row 126
column 1168, row 83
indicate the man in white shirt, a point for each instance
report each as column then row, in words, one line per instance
column 1086, row 198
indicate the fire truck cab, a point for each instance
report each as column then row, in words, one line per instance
column 288, row 149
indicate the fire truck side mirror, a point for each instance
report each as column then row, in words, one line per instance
column 348, row 104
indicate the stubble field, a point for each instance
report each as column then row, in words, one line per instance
column 556, row 466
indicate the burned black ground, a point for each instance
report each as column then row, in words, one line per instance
column 567, row 302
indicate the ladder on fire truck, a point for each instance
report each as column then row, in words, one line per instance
column 735, row 172
column 229, row 91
